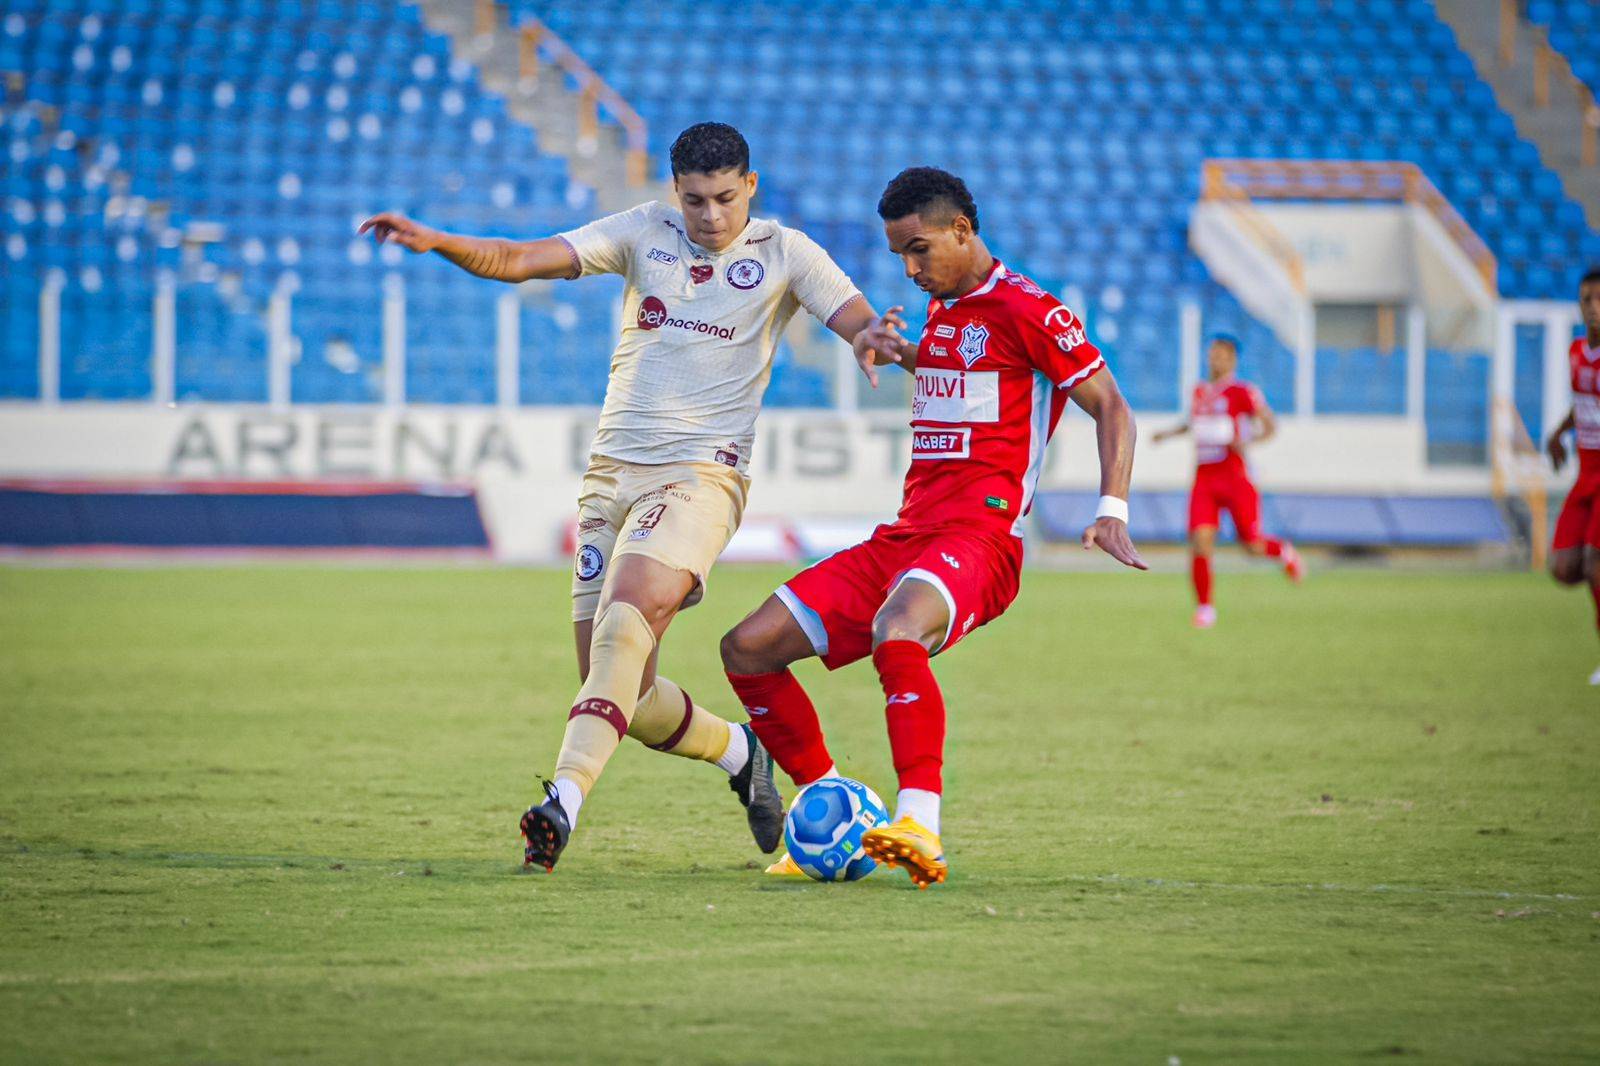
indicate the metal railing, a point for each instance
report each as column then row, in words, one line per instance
column 1549, row 66
column 538, row 44
column 1517, row 466
column 1327, row 179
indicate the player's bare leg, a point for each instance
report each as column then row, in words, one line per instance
column 1202, row 543
column 910, row 626
column 757, row 654
column 1294, row 568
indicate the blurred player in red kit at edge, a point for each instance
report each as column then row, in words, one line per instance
column 1575, row 551
column 997, row 361
column 1225, row 415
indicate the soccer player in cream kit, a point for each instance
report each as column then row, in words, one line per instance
column 709, row 293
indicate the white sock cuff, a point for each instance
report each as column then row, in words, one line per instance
column 920, row 804
column 570, row 796
column 738, row 754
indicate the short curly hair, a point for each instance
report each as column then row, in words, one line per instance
column 707, row 147
column 929, row 192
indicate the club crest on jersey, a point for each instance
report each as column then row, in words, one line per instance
column 590, row 562
column 662, row 257
column 746, row 274
column 700, row 273
column 974, row 343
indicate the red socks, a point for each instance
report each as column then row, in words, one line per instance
column 1272, row 547
column 1594, row 592
column 915, row 713
column 1200, row 572
column 784, row 719
column 782, row 716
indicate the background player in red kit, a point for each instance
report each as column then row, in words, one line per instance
column 1575, row 553
column 1225, row 415
column 997, row 361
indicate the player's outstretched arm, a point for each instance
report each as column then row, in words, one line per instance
column 1266, row 424
column 1555, row 446
column 875, row 339
column 1168, row 434
column 494, row 258
column 1115, row 431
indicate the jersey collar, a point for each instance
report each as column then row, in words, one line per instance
column 987, row 285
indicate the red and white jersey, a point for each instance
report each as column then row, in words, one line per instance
column 1586, row 402
column 993, row 370
column 1222, row 415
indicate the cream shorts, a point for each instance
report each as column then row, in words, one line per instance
column 680, row 514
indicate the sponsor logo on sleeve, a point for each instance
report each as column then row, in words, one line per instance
column 1069, row 333
column 745, row 274
column 946, row 331
column 662, row 257
column 728, row 454
column 941, row 443
column 590, row 562
column 974, row 343
column 700, row 273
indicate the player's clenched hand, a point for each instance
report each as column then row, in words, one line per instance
column 1557, row 450
column 879, row 342
column 1110, row 535
column 408, row 234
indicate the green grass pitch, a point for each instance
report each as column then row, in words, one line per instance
column 268, row 815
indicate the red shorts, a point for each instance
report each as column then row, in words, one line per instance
column 1230, row 490
column 835, row 601
column 1579, row 523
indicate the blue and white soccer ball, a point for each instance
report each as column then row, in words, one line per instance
column 824, row 826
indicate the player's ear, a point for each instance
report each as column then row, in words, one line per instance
column 751, row 180
column 962, row 225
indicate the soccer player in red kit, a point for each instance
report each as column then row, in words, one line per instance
column 1575, row 552
column 1225, row 415
column 996, row 363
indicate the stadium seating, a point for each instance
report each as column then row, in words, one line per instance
column 236, row 141
column 1081, row 126
column 1574, row 29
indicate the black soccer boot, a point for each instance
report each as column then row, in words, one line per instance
column 759, row 795
column 545, row 829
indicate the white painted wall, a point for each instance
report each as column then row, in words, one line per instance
column 527, row 462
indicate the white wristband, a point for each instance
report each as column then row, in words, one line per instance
column 1112, row 507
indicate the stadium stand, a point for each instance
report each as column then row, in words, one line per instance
column 1574, row 29
column 1082, row 125
column 236, row 141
